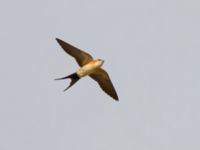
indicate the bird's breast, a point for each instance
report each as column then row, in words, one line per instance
column 87, row 69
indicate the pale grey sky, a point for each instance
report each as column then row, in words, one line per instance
column 151, row 50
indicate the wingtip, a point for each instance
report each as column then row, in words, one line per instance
column 115, row 96
column 116, row 99
column 57, row 39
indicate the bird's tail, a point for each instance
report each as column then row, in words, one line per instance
column 74, row 78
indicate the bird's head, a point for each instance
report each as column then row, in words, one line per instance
column 99, row 62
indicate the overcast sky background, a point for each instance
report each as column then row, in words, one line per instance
column 151, row 50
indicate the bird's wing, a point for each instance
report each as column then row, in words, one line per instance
column 102, row 77
column 81, row 57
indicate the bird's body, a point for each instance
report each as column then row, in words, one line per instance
column 89, row 67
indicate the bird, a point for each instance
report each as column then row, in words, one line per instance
column 88, row 67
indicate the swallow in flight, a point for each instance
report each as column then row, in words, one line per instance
column 90, row 67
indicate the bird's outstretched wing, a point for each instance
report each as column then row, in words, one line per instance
column 102, row 77
column 81, row 57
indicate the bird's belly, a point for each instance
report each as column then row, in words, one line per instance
column 86, row 70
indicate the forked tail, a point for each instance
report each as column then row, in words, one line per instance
column 74, row 78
